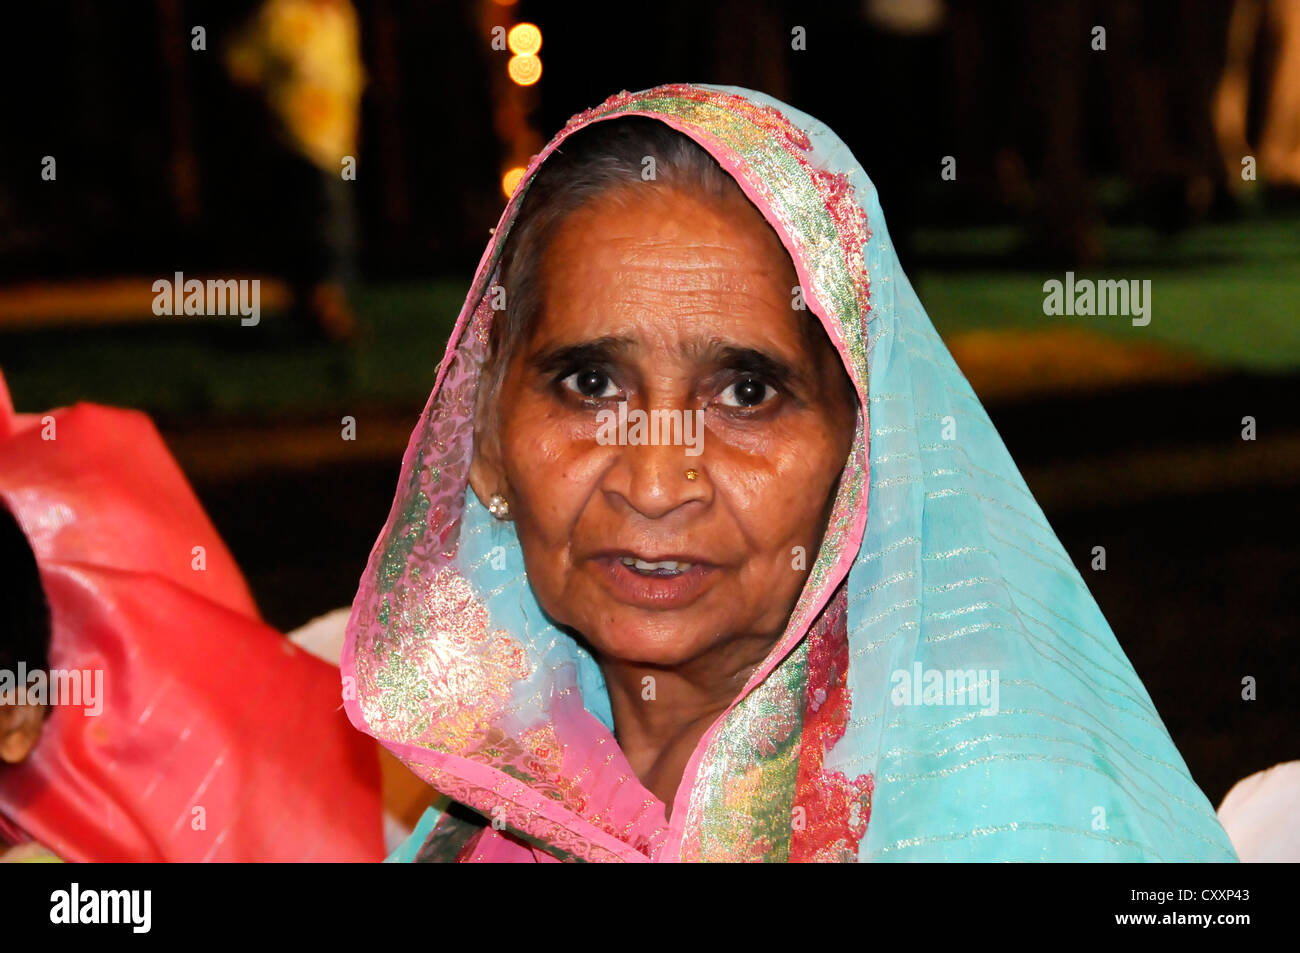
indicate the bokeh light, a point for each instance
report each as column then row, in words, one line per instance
column 524, row 39
column 525, row 69
column 510, row 181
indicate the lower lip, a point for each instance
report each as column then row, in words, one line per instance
column 655, row 592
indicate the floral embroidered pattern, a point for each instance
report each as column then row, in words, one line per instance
column 835, row 809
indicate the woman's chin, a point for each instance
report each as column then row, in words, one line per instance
column 633, row 639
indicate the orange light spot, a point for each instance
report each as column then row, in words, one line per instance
column 510, row 181
column 524, row 70
column 524, row 39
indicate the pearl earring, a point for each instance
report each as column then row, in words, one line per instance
column 498, row 507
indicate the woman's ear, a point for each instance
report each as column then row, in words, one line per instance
column 486, row 474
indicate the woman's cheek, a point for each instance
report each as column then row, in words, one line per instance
column 771, row 451
column 788, row 487
column 556, row 459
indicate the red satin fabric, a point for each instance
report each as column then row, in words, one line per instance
column 219, row 740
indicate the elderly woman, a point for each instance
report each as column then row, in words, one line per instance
column 705, row 550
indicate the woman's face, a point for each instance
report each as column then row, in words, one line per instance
column 666, row 302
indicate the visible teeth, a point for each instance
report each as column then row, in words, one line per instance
column 642, row 566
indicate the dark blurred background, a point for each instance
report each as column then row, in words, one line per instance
column 212, row 139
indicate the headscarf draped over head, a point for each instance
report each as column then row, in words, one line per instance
column 1036, row 742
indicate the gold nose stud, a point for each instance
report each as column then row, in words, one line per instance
column 692, row 474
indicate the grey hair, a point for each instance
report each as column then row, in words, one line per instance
column 604, row 157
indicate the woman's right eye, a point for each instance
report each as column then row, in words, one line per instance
column 591, row 384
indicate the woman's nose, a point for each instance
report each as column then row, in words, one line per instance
column 657, row 479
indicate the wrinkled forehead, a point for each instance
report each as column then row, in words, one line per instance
column 675, row 279
column 663, row 242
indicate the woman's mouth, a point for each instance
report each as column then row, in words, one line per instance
column 659, row 582
column 663, row 568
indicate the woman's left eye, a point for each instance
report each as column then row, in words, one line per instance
column 591, row 384
column 747, row 392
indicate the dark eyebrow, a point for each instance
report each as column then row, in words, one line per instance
column 748, row 360
column 600, row 352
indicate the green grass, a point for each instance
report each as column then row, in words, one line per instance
column 1229, row 294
